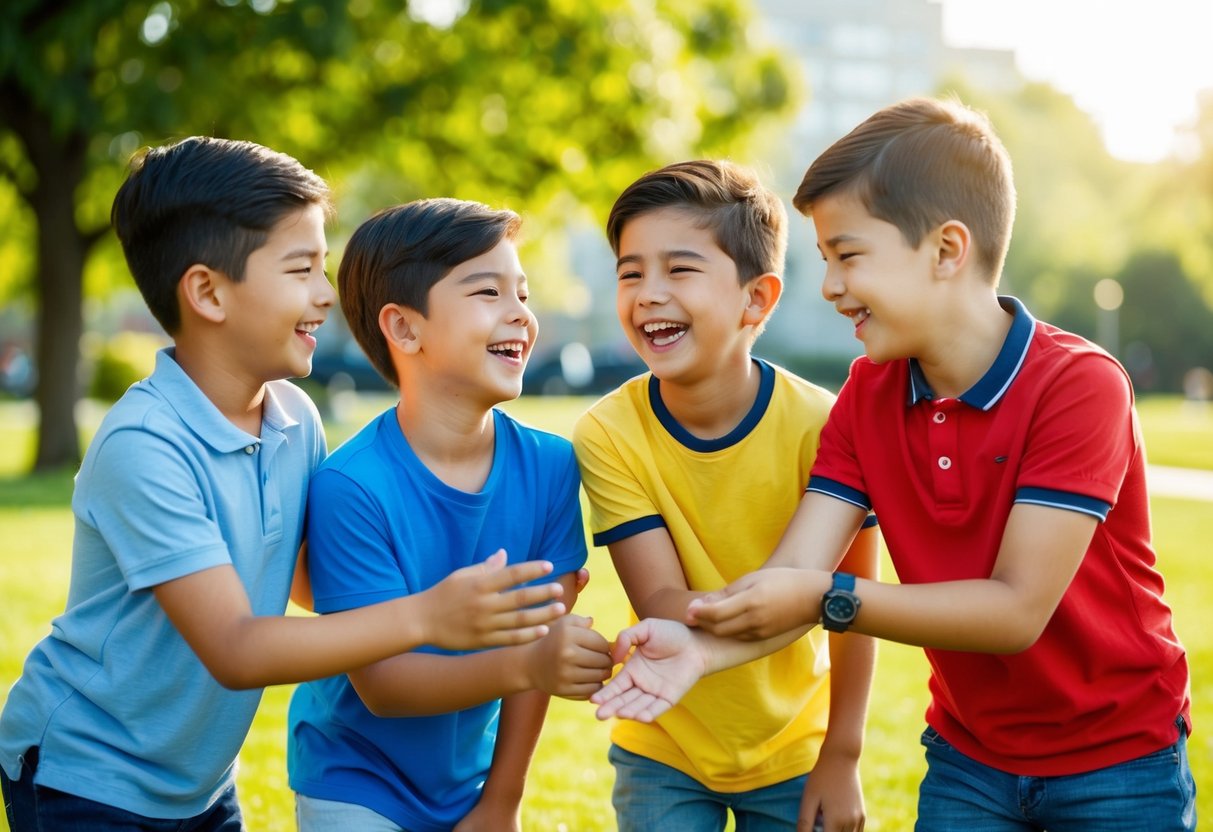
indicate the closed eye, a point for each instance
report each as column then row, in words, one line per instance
column 629, row 275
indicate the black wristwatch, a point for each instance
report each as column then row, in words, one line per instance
column 840, row 604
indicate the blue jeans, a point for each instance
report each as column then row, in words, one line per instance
column 315, row 815
column 33, row 808
column 1154, row 792
column 652, row 797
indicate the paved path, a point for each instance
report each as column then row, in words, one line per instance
column 1184, row 483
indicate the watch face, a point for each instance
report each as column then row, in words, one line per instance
column 840, row 608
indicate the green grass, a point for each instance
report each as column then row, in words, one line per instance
column 1177, row 432
column 570, row 781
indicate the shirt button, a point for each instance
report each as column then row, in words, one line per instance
column 945, row 462
column 940, row 418
column 250, row 449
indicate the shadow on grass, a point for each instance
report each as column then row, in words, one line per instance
column 49, row 490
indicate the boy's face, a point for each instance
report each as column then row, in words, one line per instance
column 284, row 297
column 874, row 277
column 678, row 297
column 479, row 333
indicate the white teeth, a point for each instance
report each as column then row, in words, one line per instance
column 309, row 327
column 659, row 325
column 508, row 346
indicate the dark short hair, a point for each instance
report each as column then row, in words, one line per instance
column 918, row 164
column 746, row 219
column 204, row 200
column 400, row 253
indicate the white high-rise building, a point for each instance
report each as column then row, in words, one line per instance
column 856, row 56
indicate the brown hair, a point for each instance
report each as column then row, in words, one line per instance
column 399, row 254
column 918, row 164
column 746, row 219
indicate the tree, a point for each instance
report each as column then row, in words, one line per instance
column 542, row 104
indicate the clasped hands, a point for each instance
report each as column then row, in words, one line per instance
column 663, row 659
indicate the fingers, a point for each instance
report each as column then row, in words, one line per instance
column 528, row 596
column 498, row 578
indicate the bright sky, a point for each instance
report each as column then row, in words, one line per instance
column 1135, row 65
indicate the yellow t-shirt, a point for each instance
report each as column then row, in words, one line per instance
column 725, row 503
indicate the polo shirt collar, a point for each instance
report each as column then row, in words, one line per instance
column 991, row 387
column 199, row 413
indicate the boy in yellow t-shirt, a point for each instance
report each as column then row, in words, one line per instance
column 693, row 470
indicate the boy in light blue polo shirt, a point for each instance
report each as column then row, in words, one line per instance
column 189, row 511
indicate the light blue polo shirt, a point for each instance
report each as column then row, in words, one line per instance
column 121, row 708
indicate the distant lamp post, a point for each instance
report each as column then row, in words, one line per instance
column 1108, row 297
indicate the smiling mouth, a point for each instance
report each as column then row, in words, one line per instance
column 509, row 349
column 857, row 316
column 664, row 333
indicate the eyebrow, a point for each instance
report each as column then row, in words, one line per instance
column 475, row 276
column 676, row 254
column 303, row 252
column 840, row 238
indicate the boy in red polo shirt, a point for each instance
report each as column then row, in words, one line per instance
column 1004, row 460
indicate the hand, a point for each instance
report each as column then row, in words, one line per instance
column 572, row 660
column 666, row 661
column 834, row 793
column 762, row 604
column 487, row 816
column 469, row 609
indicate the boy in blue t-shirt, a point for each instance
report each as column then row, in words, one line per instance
column 436, row 740
column 189, row 518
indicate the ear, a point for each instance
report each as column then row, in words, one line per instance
column 401, row 326
column 762, row 294
column 201, row 293
column 955, row 246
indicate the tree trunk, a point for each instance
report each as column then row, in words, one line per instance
column 61, row 254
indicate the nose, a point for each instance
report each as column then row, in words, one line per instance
column 832, row 287
column 324, row 294
column 652, row 291
column 520, row 313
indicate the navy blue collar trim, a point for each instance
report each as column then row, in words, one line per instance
column 991, row 387
column 766, row 386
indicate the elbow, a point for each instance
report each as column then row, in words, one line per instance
column 233, row 677
column 1020, row 637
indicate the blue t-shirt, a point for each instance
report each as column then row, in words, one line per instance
column 122, row 710
column 381, row 526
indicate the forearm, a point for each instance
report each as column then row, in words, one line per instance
column 405, row 685
column 522, row 716
column 983, row 616
column 667, row 602
column 724, row 653
column 852, row 666
column 257, row 651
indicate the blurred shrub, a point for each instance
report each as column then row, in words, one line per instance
column 122, row 360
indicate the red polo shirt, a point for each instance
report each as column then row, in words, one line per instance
column 1052, row 423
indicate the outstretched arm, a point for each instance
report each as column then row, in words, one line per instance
column 469, row 609
column 663, row 659
column 1040, row 552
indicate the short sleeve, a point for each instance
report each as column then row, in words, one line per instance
column 836, row 471
column 144, row 498
column 619, row 506
column 351, row 559
column 1082, row 439
column 563, row 540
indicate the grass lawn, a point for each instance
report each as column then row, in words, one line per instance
column 570, row 780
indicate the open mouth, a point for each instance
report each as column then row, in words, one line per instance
column 513, row 350
column 664, row 333
column 307, row 331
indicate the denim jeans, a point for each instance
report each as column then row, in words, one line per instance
column 1155, row 792
column 652, row 797
column 33, row 808
column 315, row 815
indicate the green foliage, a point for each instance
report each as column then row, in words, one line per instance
column 121, row 361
